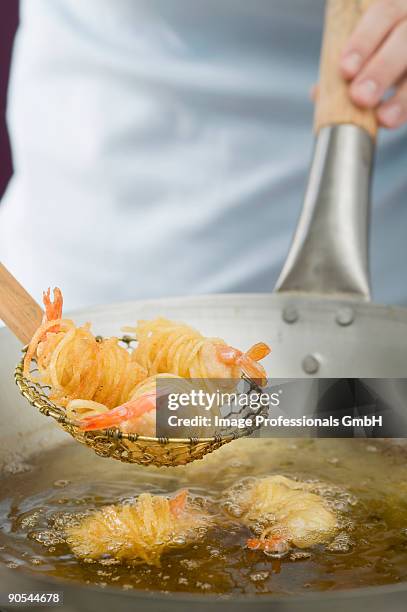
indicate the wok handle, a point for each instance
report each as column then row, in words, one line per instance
column 329, row 252
column 333, row 104
column 18, row 310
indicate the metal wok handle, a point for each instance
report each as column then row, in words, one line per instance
column 329, row 252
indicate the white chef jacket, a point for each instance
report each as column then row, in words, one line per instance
column 161, row 147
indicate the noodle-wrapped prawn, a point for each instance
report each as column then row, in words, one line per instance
column 288, row 514
column 167, row 346
column 141, row 532
column 76, row 365
column 103, row 385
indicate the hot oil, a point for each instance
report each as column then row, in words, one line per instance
column 364, row 480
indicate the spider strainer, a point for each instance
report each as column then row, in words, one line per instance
column 131, row 447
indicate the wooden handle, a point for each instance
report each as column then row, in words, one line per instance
column 333, row 105
column 18, row 310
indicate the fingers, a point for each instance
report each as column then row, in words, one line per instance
column 382, row 70
column 390, row 114
column 376, row 23
column 393, row 112
column 375, row 60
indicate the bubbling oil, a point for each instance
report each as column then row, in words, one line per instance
column 363, row 481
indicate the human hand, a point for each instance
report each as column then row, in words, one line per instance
column 374, row 61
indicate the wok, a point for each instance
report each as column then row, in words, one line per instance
column 319, row 322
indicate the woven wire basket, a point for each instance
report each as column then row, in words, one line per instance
column 131, row 447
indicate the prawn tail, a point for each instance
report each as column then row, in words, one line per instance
column 253, row 370
column 53, row 308
column 273, row 544
column 131, row 410
column 177, row 503
column 258, row 351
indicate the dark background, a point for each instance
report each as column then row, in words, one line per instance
column 8, row 25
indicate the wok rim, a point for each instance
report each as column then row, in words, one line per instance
column 230, row 298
